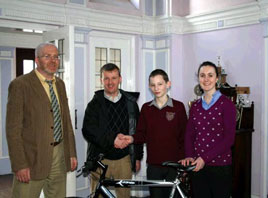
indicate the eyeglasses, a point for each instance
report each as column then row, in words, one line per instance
column 49, row 57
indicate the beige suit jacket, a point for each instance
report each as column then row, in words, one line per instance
column 29, row 126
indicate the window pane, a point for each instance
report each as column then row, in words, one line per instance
column 100, row 60
column 118, row 64
column 60, row 46
column 60, row 72
column 104, row 54
column 103, row 63
column 97, row 66
column 118, row 55
column 112, row 55
column 97, row 82
column 97, row 53
column 115, row 55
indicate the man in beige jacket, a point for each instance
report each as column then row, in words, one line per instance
column 39, row 158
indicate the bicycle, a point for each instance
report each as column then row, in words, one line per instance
column 103, row 183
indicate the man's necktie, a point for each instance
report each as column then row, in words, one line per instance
column 56, row 112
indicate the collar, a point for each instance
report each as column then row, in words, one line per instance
column 113, row 99
column 214, row 99
column 42, row 78
column 168, row 103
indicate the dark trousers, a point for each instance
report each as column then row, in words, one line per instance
column 160, row 173
column 212, row 182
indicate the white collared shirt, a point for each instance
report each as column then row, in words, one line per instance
column 114, row 99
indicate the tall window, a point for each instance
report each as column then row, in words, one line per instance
column 60, row 44
column 115, row 56
column 101, row 58
column 60, row 72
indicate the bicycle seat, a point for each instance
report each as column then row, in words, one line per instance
column 179, row 166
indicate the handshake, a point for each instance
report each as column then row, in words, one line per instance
column 122, row 141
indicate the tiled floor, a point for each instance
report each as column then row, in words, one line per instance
column 5, row 186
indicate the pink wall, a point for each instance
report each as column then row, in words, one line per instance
column 242, row 52
column 123, row 7
column 114, row 8
column 176, row 72
column 57, row 1
column 193, row 7
column 180, row 7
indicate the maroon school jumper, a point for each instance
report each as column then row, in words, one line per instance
column 163, row 131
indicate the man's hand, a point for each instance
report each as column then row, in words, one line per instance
column 122, row 141
column 23, row 175
column 73, row 163
column 138, row 165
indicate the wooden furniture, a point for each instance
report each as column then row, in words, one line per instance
column 241, row 186
column 241, row 151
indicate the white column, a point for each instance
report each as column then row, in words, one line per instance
column 264, row 127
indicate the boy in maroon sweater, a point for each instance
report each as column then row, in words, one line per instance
column 161, row 126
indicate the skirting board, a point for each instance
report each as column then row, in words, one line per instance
column 255, row 196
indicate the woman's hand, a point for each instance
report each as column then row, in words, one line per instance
column 187, row 161
column 200, row 163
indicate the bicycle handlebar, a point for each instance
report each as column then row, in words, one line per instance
column 179, row 167
column 90, row 165
column 93, row 163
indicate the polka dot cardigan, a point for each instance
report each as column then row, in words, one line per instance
column 210, row 133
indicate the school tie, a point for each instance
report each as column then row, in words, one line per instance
column 56, row 112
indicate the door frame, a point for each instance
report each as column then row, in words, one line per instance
column 119, row 41
column 23, row 54
column 67, row 33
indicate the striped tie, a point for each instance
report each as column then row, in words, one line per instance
column 56, row 112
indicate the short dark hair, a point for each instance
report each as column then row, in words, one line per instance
column 208, row 63
column 109, row 67
column 159, row 72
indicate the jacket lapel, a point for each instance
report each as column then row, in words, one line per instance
column 38, row 87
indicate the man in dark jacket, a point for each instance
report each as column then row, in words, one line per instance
column 110, row 112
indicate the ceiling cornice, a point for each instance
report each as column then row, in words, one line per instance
column 236, row 16
column 51, row 15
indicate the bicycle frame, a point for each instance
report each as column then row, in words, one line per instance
column 129, row 183
column 123, row 183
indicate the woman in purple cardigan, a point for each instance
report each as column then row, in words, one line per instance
column 209, row 136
